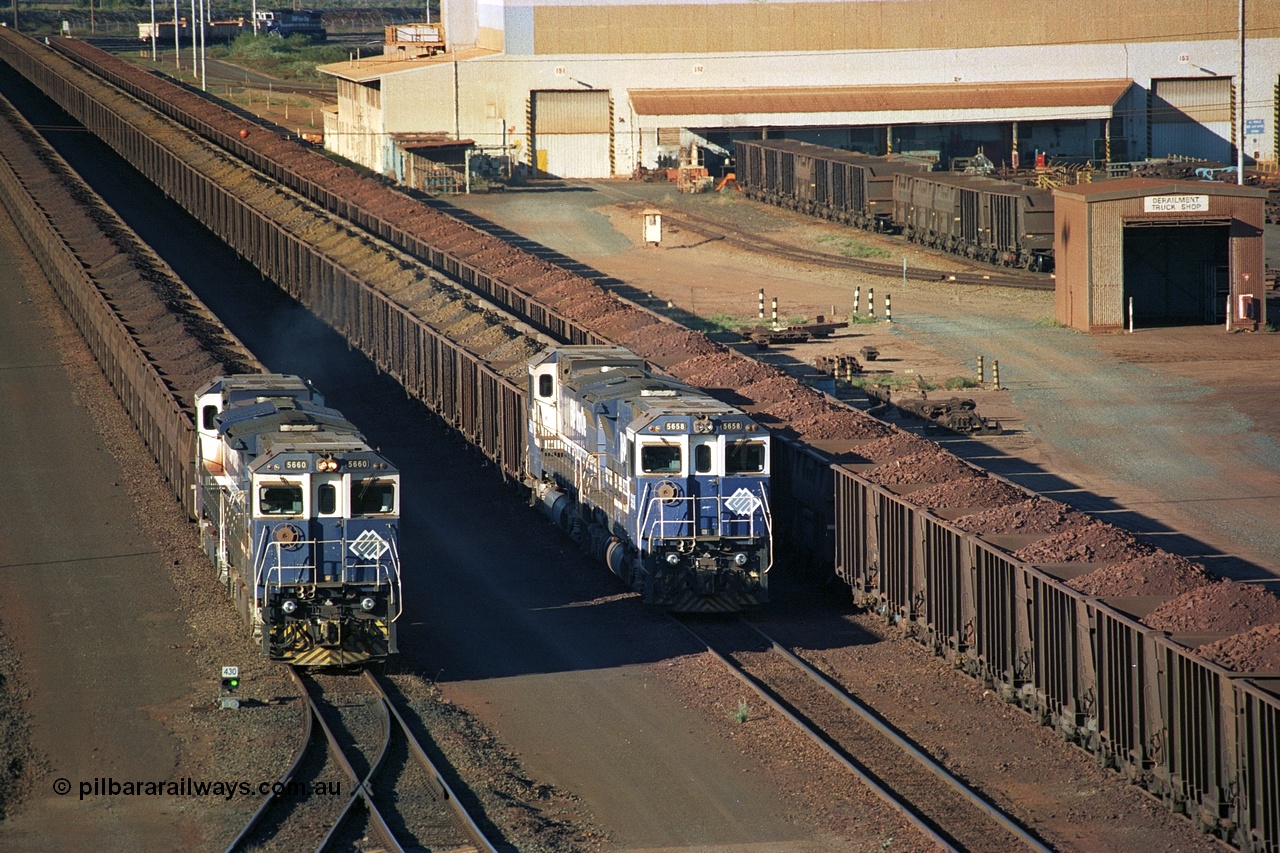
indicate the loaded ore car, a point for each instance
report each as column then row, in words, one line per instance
column 997, row 222
column 665, row 484
column 301, row 518
column 856, row 189
column 986, row 219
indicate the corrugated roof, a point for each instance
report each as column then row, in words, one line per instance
column 370, row 68
column 420, row 141
column 1139, row 187
column 860, row 99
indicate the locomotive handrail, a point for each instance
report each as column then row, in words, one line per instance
column 647, row 522
column 396, row 597
column 268, row 573
column 766, row 512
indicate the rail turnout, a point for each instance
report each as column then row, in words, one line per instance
column 356, row 739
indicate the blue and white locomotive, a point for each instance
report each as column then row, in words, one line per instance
column 667, row 485
column 301, row 517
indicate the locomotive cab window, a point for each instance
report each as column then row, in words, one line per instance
column 373, row 497
column 702, row 459
column 745, row 457
column 660, row 459
column 546, row 385
column 327, row 499
column 209, row 417
column 280, row 499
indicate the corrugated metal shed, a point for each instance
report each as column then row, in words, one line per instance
column 1184, row 251
column 1096, row 97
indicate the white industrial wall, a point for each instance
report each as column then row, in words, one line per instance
column 492, row 90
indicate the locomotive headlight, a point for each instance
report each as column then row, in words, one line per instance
column 740, row 559
column 289, row 606
column 673, row 558
column 326, row 464
column 368, row 603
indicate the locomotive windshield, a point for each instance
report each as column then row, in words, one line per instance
column 744, row 457
column 280, row 499
column 373, row 497
column 660, row 459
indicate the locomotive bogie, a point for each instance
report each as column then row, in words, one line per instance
column 664, row 484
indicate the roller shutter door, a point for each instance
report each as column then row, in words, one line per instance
column 573, row 134
column 1192, row 118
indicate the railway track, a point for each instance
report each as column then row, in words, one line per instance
column 945, row 809
column 1222, row 801
column 712, row 230
column 360, row 773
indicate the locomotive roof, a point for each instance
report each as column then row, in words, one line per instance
column 606, row 379
column 285, row 424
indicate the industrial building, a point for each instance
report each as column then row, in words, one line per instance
column 1142, row 252
column 598, row 88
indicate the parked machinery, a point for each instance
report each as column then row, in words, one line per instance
column 667, row 485
column 282, row 23
column 301, row 518
column 989, row 220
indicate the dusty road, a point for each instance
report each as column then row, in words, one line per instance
column 1171, row 433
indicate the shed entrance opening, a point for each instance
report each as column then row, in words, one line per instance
column 1176, row 273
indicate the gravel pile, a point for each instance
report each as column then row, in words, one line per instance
column 1034, row 515
column 1093, row 542
column 980, row 491
column 1160, row 573
column 1255, row 650
column 837, row 423
column 723, row 370
column 895, row 445
column 1223, row 607
column 934, row 466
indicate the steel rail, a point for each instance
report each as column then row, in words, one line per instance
column 363, row 792
column 888, row 796
column 761, row 244
column 269, row 802
column 867, row 714
column 466, row 823
column 360, row 791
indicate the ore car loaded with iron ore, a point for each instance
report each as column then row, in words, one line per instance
column 667, row 485
column 301, row 517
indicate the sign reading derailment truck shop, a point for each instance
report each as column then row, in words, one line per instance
column 1175, row 204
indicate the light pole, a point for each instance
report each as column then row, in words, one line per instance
column 1240, row 112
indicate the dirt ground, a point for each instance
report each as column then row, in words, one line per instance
column 1171, row 433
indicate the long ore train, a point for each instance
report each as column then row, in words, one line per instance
column 1203, row 738
column 998, row 222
